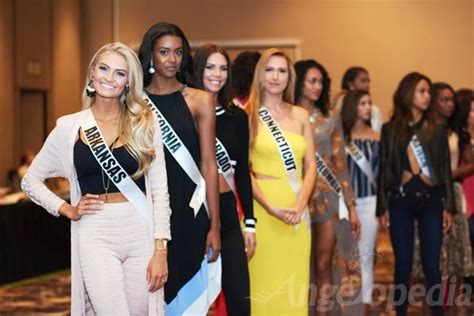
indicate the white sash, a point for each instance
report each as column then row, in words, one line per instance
column 359, row 158
column 420, row 155
column 225, row 165
column 112, row 168
column 332, row 182
column 181, row 154
column 286, row 154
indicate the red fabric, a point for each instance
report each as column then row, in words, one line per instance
column 243, row 101
column 220, row 307
column 239, row 204
column 468, row 188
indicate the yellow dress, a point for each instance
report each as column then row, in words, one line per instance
column 279, row 270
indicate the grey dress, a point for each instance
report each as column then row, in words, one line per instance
column 324, row 203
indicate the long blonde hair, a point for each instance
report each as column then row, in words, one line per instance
column 136, row 122
column 257, row 88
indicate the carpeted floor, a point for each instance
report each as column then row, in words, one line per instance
column 50, row 294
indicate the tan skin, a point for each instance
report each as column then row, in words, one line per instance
column 110, row 76
column 363, row 130
column 167, row 57
column 361, row 82
column 444, row 108
column 291, row 119
column 214, row 78
column 420, row 104
column 324, row 235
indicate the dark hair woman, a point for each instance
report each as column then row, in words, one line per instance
column 187, row 120
column 415, row 185
column 465, row 104
column 243, row 69
column 357, row 78
column 362, row 152
column 332, row 198
column 212, row 73
column 456, row 250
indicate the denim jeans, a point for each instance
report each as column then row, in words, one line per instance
column 417, row 202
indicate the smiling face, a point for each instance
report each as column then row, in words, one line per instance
column 167, row 55
column 110, row 75
column 312, row 85
column 444, row 104
column 215, row 73
column 276, row 75
column 422, row 97
column 364, row 108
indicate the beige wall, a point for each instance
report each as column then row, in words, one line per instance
column 6, row 88
column 67, row 60
column 96, row 21
column 389, row 38
column 40, row 68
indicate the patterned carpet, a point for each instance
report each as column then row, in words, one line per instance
column 50, row 294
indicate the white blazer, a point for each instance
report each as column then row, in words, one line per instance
column 55, row 159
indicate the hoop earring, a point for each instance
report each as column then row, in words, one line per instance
column 151, row 70
column 125, row 95
column 90, row 90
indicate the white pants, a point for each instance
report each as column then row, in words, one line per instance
column 114, row 251
column 368, row 233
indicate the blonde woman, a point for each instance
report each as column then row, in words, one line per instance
column 112, row 155
column 281, row 147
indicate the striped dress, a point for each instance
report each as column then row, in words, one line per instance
column 360, row 182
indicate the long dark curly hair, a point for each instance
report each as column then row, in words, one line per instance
column 301, row 68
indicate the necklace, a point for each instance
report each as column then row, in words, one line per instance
column 106, row 179
column 313, row 116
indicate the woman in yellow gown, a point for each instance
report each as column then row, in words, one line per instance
column 281, row 147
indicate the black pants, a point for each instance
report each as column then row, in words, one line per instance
column 235, row 271
column 423, row 204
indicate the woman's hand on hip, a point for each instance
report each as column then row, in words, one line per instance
column 89, row 204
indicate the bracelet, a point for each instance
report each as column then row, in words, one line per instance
column 161, row 249
column 250, row 225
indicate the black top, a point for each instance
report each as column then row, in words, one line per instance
column 188, row 232
column 393, row 153
column 232, row 129
column 89, row 172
